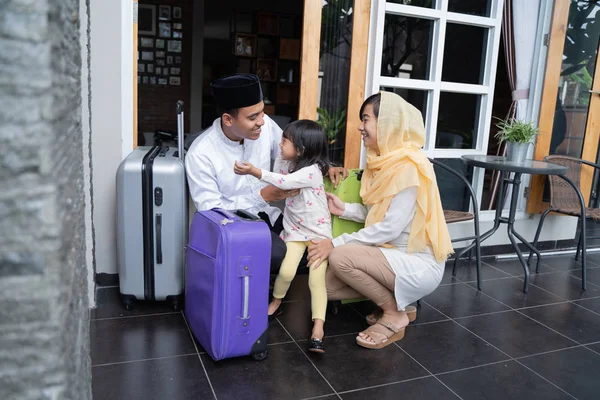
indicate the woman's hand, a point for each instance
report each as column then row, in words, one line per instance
column 247, row 169
column 318, row 252
column 336, row 205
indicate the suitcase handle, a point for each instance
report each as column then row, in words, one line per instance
column 246, row 215
column 227, row 214
column 180, row 129
column 159, row 257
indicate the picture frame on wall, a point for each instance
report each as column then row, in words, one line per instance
column 141, row 67
column 175, row 71
column 177, row 34
column 177, row 60
column 174, row 46
column 150, row 68
column 146, row 19
column 266, row 70
column 164, row 13
column 145, row 80
column 146, row 42
column 177, row 25
column 147, row 56
column 162, row 81
column 160, row 43
column 175, row 80
column 164, row 30
column 169, row 60
column 153, row 80
column 160, row 54
column 158, row 71
column 160, row 63
column 176, row 12
column 245, row 45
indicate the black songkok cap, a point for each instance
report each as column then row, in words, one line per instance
column 237, row 91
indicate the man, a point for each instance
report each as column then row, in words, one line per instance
column 242, row 133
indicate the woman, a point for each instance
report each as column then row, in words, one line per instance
column 399, row 256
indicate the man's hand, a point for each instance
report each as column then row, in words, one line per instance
column 337, row 174
column 271, row 193
column 247, row 169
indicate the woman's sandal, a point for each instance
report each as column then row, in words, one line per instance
column 411, row 312
column 387, row 329
column 316, row 345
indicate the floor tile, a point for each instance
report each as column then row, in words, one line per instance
column 595, row 347
column 573, row 370
column 277, row 333
column 285, row 374
column 174, row 378
column 515, row 334
column 462, row 301
column 447, row 278
column 507, row 380
column 559, row 263
column 515, row 268
column 109, row 305
column 139, row 338
column 564, row 285
column 418, row 389
column 296, row 318
column 593, row 275
column 590, row 304
column 445, row 346
column 466, row 271
column 510, row 292
column 569, row 319
column 425, row 312
column 348, row 366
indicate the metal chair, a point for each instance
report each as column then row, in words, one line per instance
column 453, row 216
column 564, row 199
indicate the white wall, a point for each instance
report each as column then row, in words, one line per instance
column 112, row 117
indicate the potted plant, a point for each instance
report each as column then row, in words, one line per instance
column 332, row 123
column 517, row 135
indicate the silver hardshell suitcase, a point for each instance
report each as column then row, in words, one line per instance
column 152, row 222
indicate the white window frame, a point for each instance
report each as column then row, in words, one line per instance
column 441, row 17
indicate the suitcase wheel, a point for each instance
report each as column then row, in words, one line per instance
column 260, row 356
column 176, row 302
column 129, row 302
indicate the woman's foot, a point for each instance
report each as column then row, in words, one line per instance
column 411, row 312
column 274, row 306
column 387, row 330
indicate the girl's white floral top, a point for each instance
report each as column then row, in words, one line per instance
column 306, row 216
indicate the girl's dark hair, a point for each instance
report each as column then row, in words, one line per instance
column 374, row 100
column 310, row 142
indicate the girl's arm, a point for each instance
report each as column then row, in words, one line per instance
column 399, row 215
column 305, row 178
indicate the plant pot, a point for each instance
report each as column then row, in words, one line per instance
column 516, row 151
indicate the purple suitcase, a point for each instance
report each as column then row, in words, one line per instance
column 227, row 283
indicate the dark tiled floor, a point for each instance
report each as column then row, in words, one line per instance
column 495, row 344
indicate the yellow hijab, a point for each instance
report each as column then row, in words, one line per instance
column 401, row 164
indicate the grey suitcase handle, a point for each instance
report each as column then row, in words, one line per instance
column 180, row 129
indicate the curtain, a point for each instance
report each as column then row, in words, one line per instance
column 519, row 28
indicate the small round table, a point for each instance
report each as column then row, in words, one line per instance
column 506, row 167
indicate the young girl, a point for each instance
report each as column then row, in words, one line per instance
column 306, row 215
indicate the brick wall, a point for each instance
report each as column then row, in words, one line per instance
column 44, row 316
column 156, row 103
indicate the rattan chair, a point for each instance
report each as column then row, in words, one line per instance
column 453, row 216
column 565, row 200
